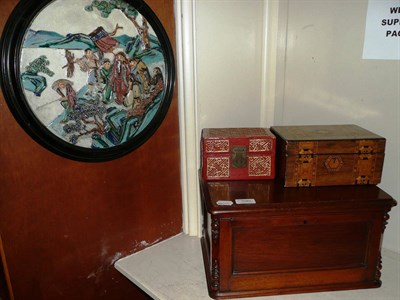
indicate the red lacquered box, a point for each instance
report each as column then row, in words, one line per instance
column 237, row 154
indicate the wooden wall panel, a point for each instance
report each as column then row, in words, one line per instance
column 64, row 223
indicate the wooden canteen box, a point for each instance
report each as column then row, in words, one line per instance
column 237, row 153
column 289, row 240
column 328, row 155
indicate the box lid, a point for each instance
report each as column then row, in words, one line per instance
column 327, row 139
column 271, row 195
column 324, row 132
column 247, row 132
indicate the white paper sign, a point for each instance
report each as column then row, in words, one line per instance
column 382, row 30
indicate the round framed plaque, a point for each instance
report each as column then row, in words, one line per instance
column 89, row 80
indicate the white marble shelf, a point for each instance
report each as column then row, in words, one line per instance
column 173, row 270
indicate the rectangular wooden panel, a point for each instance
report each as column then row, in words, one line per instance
column 295, row 248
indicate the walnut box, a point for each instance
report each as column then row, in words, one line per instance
column 328, row 155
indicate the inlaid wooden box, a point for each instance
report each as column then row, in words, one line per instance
column 328, row 155
column 237, row 153
column 291, row 240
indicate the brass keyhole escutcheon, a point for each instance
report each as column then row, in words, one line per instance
column 239, row 156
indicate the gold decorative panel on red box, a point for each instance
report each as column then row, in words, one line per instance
column 237, row 153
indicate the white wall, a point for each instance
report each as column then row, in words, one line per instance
column 269, row 62
column 229, row 44
column 326, row 81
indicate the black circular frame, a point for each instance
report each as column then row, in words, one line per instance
column 10, row 55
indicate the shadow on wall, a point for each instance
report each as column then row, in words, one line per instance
column 5, row 284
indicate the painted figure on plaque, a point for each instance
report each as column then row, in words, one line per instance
column 89, row 63
column 119, row 77
column 157, row 82
column 70, row 65
column 67, row 94
column 141, row 73
column 105, row 72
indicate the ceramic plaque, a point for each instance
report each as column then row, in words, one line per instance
column 90, row 80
